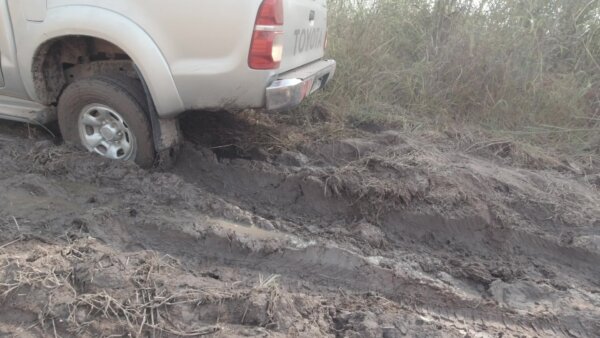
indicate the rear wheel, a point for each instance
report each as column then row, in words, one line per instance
column 107, row 115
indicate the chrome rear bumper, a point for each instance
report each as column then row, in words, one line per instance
column 294, row 86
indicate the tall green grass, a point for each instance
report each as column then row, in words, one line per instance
column 528, row 68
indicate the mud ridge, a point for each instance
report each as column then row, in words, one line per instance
column 385, row 235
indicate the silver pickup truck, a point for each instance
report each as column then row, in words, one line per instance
column 117, row 73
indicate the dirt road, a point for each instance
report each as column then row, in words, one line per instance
column 383, row 235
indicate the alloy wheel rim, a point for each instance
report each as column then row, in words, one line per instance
column 105, row 132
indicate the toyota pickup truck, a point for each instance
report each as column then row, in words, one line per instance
column 117, row 73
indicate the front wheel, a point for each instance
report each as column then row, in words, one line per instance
column 107, row 116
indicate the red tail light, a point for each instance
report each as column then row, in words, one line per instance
column 270, row 13
column 266, row 49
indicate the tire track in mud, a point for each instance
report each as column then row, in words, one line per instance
column 271, row 190
column 325, row 267
column 332, row 268
column 480, row 237
column 337, row 267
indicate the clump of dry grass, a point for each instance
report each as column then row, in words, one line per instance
column 523, row 70
column 147, row 299
column 149, row 314
column 148, row 311
column 271, row 286
column 52, row 272
column 17, row 272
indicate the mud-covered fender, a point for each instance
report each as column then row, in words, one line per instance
column 112, row 27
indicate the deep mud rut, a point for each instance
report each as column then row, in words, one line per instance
column 386, row 235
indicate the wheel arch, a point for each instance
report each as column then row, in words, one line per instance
column 98, row 23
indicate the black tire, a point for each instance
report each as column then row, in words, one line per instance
column 125, row 95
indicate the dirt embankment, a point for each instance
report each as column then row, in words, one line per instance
column 383, row 235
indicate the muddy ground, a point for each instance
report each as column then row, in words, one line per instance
column 385, row 234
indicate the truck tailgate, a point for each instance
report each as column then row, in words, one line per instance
column 305, row 32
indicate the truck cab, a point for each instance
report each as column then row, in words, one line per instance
column 117, row 73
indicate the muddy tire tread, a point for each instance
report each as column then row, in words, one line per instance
column 124, row 93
